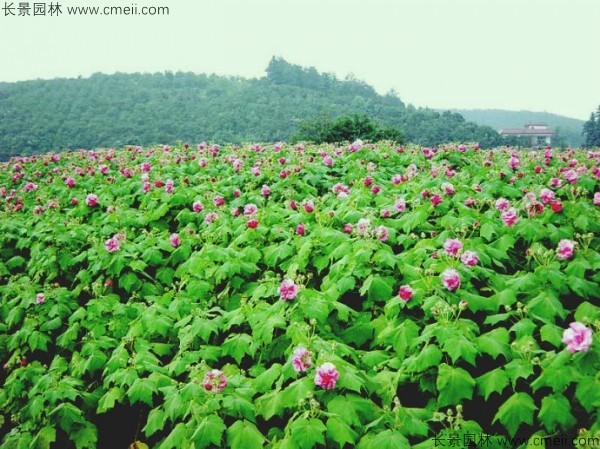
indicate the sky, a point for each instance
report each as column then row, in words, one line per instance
column 537, row 55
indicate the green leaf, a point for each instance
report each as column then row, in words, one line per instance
column 552, row 334
column 454, row 384
column 546, row 306
column 108, row 400
column 588, row 393
column 487, row 231
column 44, row 438
column 340, row 432
column 85, row 436
column 388, row 439
column 51, row 325
column 177, row 439
column 209, row 431
column 494, row 343
column 429, row 356
column 460, row 347
column 518, row 368
column 156, row 421
column 517, row 410
column 141, row 390
column 340, row 406
column 306, row 433
column 555, row 413
column 265, row 380
column 494, row 381
column 244, row 435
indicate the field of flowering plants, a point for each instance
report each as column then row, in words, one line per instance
column 287, row 296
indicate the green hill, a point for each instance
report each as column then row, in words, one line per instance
column 568, row 128
column 142, row 109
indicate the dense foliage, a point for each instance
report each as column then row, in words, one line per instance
column 591, row 130
column 147, row 109
column 295, row 297
column 347, row 128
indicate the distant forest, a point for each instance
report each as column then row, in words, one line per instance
column 145, row 109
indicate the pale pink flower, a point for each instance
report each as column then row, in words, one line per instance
column 453, row 247
column 400, row 205
column 597, row 199
column 509, row 217
column 513, row 163
column 169, row 186
column 91, row 200
column 363, row 226
column 250, row 210
column 448, row 188
column 451, row 279
column 405, row 293
column 502, row 204
column 546, row 195
column 301, row 359
column 210, row 217
column 218, row 201
column 382, row 233
column 112, row 244
column 327, row 375
column 555, row 182
column 577, row 337
column 265, row 191
column 40, row 298
column 288, row 290
column 571, row 176
column 328, row 161
column 469, row 258
column 214, row 381
column 174, row 240
column 70, row 182
column 565, row 249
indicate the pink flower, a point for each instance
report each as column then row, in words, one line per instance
column 300, row 229
column 40, row 298
column 146, row 167
column 597, row 199
column 252, row 223
column 309, row 206
column 91, row 200
column 169, row 186
column 112, row 244
column 363, row 226
column 513, row 163
column 502, row 204
column 448, row 188
column 435, row 200
column 301, row 359
column 453, row 247
column 556, row 206
column 288, row 290
column 577, row 337
column 250, row 210
column 555, row 182
column 265, row 191
column 348, row 228
column 328, row 161
column 70, row 182
column 214, row 381
column 565, row 249
column 405, row 293
column 546, row 195
column 510, row 217
column 175, row 240
column 355, row 146
column 218, row 201
column 327, row 375
column 400, row 205
column 382, row 233
column 375, row 189
column 197, row 207
column 571, row 176
column 451, row 279
column 469, row 258
column 210, row 217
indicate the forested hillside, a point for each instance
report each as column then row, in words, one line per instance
column 114, row 110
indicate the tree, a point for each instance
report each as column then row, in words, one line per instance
column 591, row 130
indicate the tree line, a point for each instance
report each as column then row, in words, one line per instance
column 146, row 109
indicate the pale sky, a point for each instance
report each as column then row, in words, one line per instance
column 538, row 55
